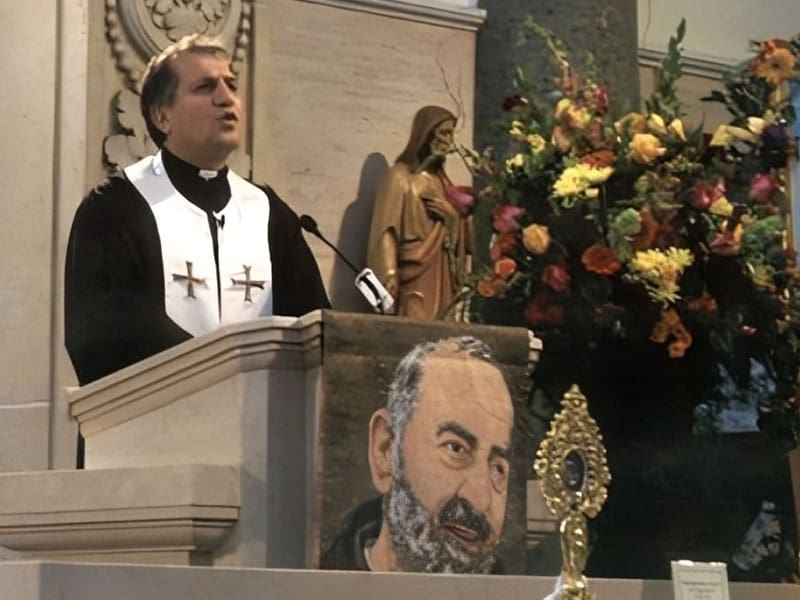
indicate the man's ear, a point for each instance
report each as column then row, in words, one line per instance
column 381, row 440
column 160, row 118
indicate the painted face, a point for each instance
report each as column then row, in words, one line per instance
column 204, row 122
column 443, row 137
column 447, row 503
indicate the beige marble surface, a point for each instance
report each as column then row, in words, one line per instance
column 68, row 581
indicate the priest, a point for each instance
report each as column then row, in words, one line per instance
column 179, row 244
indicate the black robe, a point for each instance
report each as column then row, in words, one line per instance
column 114, row 311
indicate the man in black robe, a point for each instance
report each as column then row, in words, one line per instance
column 179, row 244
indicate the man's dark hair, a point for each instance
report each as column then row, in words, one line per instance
column 160, row 81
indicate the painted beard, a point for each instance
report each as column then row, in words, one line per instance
column 425, row 543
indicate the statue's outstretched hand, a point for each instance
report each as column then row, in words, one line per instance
column 440, row 209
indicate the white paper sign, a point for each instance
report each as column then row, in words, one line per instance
column 699, row 581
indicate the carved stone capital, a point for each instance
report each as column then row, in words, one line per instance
column 139, row 29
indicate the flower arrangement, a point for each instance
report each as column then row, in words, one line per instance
column 639, row 229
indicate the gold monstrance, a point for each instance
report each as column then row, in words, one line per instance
column 571, row 463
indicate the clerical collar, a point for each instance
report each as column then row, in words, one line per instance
column 208, row 190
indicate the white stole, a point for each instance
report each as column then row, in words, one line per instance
column 245, row 265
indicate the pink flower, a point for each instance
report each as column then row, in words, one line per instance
column 504, row 218
column 556, row 277
column 705, row 193
column 462, row 198
column 762, row 186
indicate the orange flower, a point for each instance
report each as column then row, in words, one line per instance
column 677, row 349
column 492, row 286
column 536, row 238
column 670, row 325
column 502, row 244
column 646, row 148
column 705, row 303
column 599, row 159
column 774, row 64
column 650, row 229
column 601, row 259
column 505, row 267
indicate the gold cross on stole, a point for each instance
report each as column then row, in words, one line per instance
column 189, row 279
column 248, row 283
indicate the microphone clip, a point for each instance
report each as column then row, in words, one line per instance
column 374, row 292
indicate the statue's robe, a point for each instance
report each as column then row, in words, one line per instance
column 127, row 289
column 431, row 253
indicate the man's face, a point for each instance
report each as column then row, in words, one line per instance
column 447, row 503
column 442, row 139
column 204, row 122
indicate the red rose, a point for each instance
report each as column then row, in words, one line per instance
column 541, row 311
column 601, row 259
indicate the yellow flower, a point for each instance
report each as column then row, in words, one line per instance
column 676, row 128
column 659, row 271
column 742, row 134
column 579, row 179
column 562, row 107
column 595, row 175
column 580, row 117
column 756, row 125
column 536, row 143
column 721, row 207
column 725, row 134
column 592, row 193
column 570, row 183
column 645, row 148
column 536, row 238
column 656, row 124
column 722, row 137
column 577, row 117
column 517, row 130
column 515, row 162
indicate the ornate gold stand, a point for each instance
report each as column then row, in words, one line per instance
column 571, row 463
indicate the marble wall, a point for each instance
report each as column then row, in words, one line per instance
column 28, row 117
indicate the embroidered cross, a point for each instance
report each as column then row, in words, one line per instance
column 189, row 279
column 248, row 283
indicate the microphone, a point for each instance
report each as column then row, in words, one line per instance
column 366, row 282
column 220, row 220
